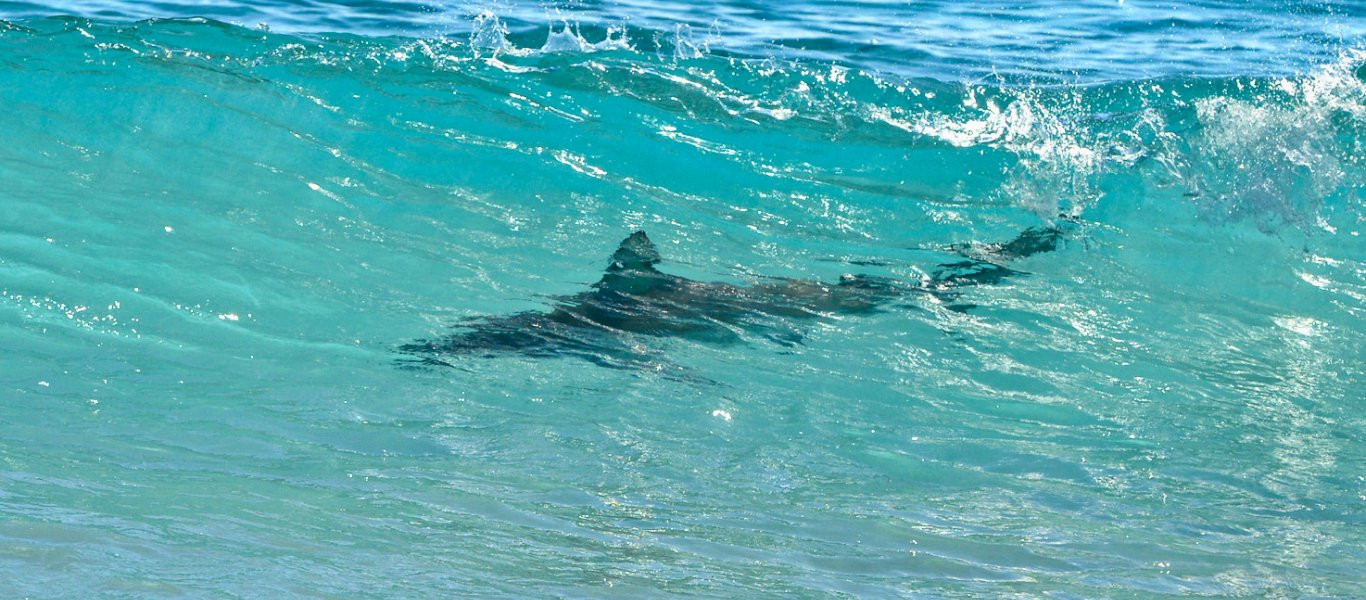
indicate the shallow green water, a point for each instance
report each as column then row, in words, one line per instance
column 214, row 239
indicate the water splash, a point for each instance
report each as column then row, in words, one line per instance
column 1279, row 156
column 489, row 35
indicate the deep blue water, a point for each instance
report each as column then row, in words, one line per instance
column 227, row 228
column 1086, row 40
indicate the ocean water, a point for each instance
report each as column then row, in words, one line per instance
column 221, row 221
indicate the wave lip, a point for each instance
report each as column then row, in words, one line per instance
column 1272, row 151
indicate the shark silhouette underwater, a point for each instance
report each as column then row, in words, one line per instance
column 635, row 300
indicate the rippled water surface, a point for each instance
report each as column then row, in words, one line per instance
column 221, row 223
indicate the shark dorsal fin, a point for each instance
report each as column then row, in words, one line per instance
column 636, row 252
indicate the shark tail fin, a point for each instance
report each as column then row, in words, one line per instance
column 636, row 252
column 985, row 263
column 1035, row 240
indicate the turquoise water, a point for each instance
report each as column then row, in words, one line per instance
column 216, row 237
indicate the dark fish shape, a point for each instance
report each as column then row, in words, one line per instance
column 634, row 298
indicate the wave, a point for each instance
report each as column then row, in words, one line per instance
column 1275, row 152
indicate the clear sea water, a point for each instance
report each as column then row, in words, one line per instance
column 219, row 220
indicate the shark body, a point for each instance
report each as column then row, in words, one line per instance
column 634, row 298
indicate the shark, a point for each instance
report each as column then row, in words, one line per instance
column 634, row 301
